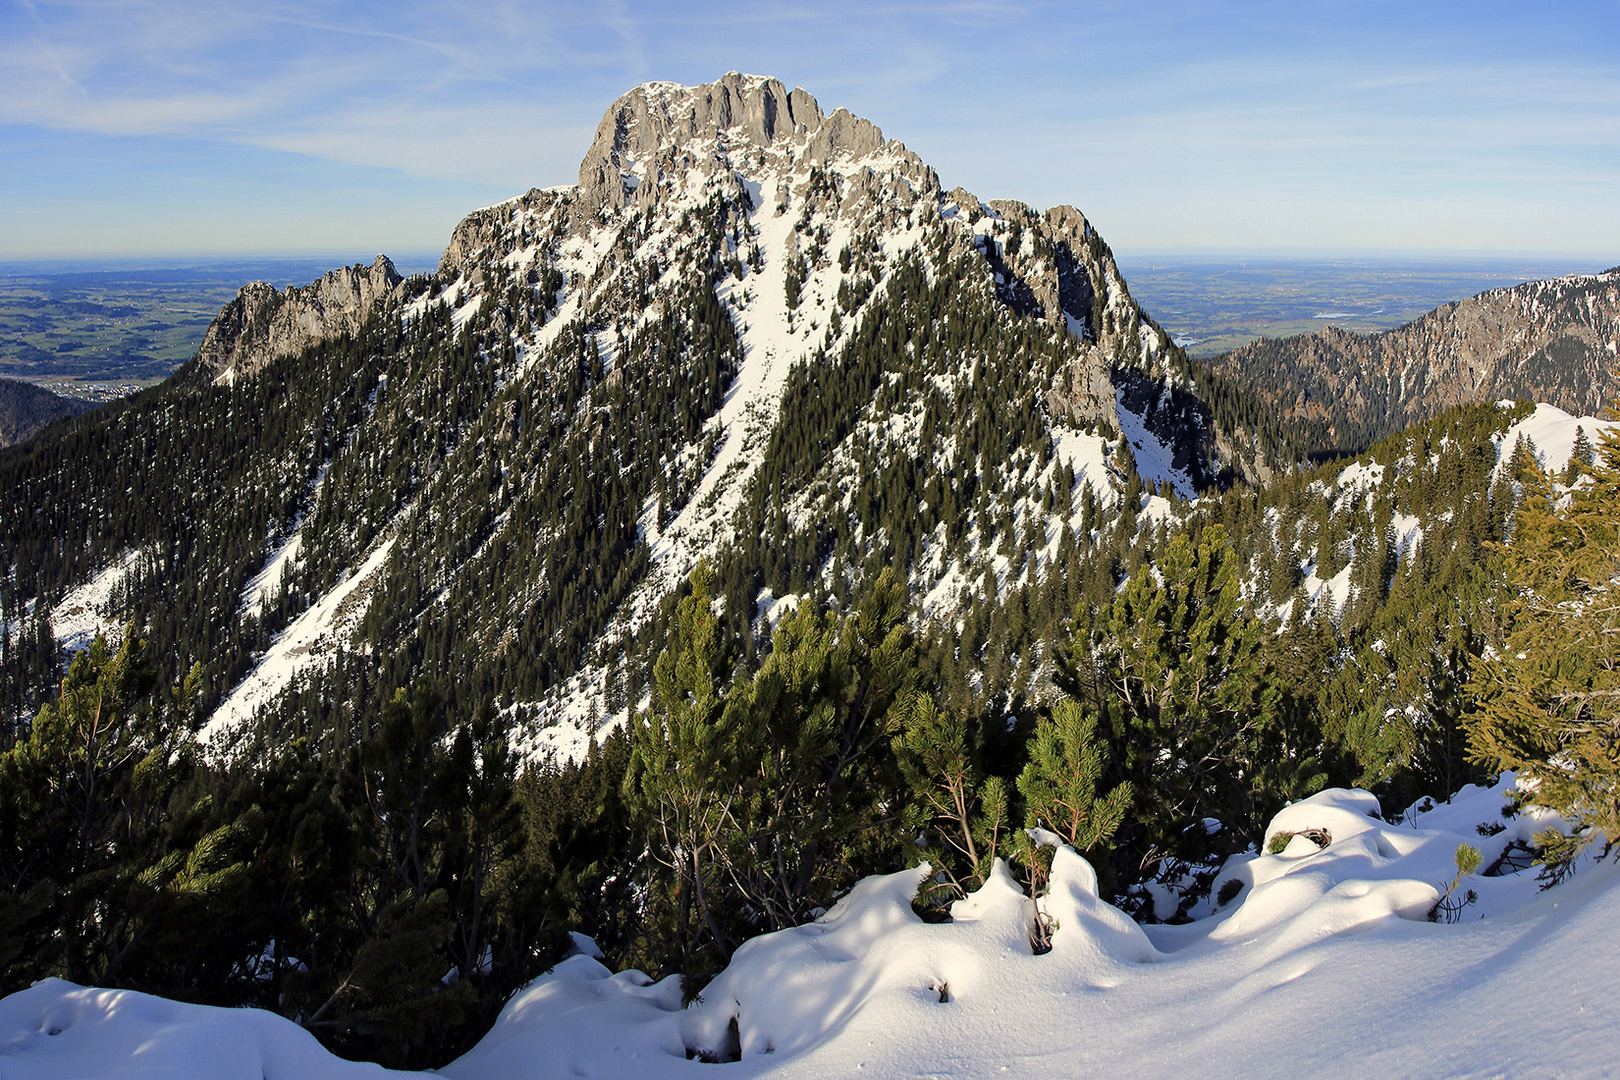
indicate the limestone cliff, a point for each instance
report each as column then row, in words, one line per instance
column 262, row 323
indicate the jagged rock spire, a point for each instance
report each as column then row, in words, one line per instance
column 261, row 323
column 644, row 127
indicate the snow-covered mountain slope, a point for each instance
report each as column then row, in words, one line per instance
column 1326, row 537
column 307, row 644
column 1552, row 435
column 93, row 607
column 754, row 334
column 744, row 312
column 1323, row 963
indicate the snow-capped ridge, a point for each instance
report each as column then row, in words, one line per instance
column 1554, row 433
column 801, row 222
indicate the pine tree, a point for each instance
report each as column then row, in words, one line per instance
column 1187, row 698
column 1549, row 695
column 1581, row 456
column 960, row 811
column 1524, row 463
column 1059, row 785
column 809, row 735
column 680, row 780
column 84, row 819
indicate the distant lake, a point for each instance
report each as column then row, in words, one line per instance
column 1213, row 303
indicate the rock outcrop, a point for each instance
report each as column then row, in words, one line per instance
column 481, row 229
column 654, row 136
column 644, row 131
column 262, row 323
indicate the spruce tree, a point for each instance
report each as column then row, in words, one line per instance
column 1581, row 456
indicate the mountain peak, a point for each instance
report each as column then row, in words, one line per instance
column 657, row 132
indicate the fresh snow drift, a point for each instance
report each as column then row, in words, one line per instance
column 1323, row 964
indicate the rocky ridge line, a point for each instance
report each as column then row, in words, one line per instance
column 262, row 323
column 1554, row 341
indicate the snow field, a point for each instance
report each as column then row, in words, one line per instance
column 312, row 640
column 1154, row 460
column 1554, row 432
column 92, row 608
column 1324, row 964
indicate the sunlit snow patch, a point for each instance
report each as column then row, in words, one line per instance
column 310, row 641
column 1553, row 431
column 1154, row 460
column 93, row 608
column 55, row 1029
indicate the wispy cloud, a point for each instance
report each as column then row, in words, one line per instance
column 1160, row 123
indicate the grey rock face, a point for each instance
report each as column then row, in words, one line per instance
column 261, row 323
column 483, row 228
column 643, row 130
column 743, row 128
column 658, row 131
column 843, row 131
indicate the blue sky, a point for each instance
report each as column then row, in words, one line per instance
column 139, row 128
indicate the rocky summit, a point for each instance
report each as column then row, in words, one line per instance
column 756, row 334
column 261, row 323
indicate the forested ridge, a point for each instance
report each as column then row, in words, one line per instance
column 1338, row 392
column 337, row 872
column 25, row 409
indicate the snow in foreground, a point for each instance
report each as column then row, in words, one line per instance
column 1323, row 965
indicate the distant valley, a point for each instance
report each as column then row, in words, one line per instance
column 1215, row 303
column 25, row 409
